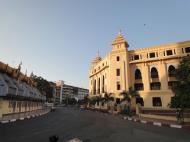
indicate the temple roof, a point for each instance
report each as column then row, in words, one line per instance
column 120, row 39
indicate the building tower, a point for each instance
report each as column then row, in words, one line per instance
column 119, row 66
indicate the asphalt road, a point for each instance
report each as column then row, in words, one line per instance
column 69, row 123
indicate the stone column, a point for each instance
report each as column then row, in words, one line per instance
column 100, row 83
column 146, row 77
column 163, row 75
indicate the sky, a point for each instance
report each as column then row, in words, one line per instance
column 57, row 39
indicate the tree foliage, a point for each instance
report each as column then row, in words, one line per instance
column 127, row 95
column 181, row 88
column 43, row 86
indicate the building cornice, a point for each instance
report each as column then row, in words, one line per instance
column 164, row 46
column 99, row 71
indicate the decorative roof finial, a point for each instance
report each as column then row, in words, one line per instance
column 120, row 33
column 98, row 53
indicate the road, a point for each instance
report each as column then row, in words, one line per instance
column 69, row 123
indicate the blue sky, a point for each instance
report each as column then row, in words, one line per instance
column 57, row 39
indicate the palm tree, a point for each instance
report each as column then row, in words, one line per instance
column 107, row 98
column 128, row 96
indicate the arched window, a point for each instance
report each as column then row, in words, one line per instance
column 103, row 84
column 171, row 71
column 94, row 87
column 154, row 73
column 99, row 86
column 138, row 74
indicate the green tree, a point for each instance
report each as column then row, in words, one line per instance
column 44, row 86
column 127, row 96
column 181, row 87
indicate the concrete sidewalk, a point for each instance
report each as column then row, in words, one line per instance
column 25, row 115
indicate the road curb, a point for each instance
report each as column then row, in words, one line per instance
column 159, row 124
column 12, row 120
column 5, row 121
column 22, row 118
column 175, row 126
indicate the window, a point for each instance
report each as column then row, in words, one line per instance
column 118, row 101
column 171, row 83
column 118, row 72
column 136, row 57
column 154, row 73
column 138, row 74
column 140, row 101
column 169, row 52
column 117, row 58
column 118, row 86
column 138, row 86
column 152, row 55
column 171, row 71
column 164, row 53
column 99, row 86
column 187, row 50
column 94, row 92
column 103, row 82
column 182, row 50
column 156, row 101
column 155, row 86
column 102, row 103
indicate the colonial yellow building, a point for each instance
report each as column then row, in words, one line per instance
column 147, row 70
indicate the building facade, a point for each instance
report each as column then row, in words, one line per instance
column 64, row 92
column 80, row 93
column 59, row 91
column 18, row 93
column 150, row 71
